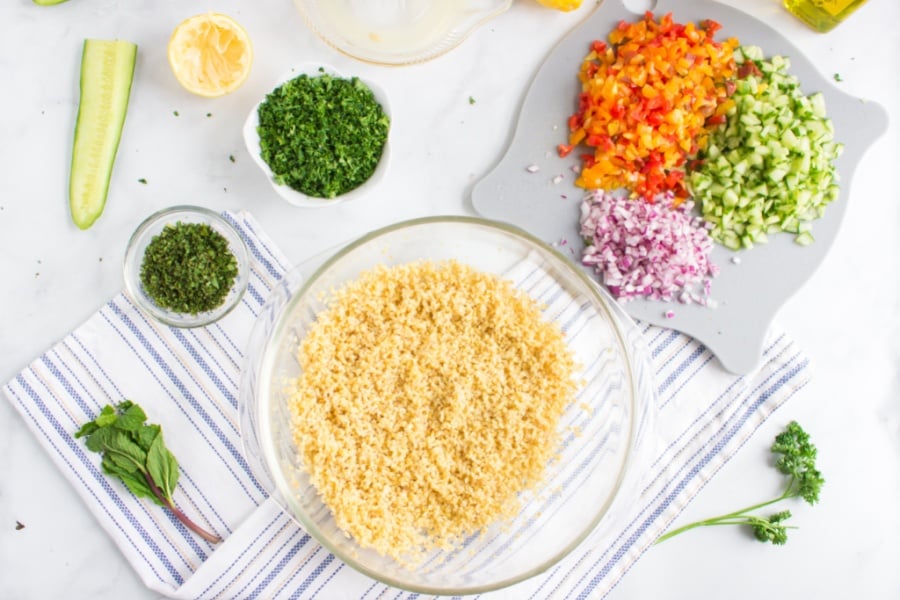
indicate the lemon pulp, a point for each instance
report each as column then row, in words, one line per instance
column 210, row 54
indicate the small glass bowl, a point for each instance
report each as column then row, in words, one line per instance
column 292, row 196
column 397, row 32
column 151, row 227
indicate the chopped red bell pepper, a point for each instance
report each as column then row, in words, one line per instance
column 647, row 96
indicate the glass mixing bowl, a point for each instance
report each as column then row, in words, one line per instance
column 603, row 431
column 397, row 32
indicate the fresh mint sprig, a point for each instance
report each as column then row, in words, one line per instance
column 134, row 452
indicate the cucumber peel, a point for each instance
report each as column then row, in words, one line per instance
column 107, row 70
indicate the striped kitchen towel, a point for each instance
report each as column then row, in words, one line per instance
column 188, row 380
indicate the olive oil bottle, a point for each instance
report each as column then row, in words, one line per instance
column 822, row 15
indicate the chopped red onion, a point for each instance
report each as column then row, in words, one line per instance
column 653, row 250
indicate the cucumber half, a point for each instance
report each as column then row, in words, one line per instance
column 107, row 70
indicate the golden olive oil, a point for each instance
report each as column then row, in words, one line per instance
column 822, row 15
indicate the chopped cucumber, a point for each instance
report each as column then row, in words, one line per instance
column 107, row 70
column 770, row 166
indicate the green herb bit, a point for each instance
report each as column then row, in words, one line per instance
column 796, row 458
column 135, row 453
column 471, row 100
column 175, row 112
column 142, row 180
column 837, row 77
column 231, row 158
column 188, row 268
column 322, row 136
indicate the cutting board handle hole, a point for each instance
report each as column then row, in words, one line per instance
column 639, row 7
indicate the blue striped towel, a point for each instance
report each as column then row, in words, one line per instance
column 187, row 380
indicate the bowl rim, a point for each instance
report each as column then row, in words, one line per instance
column 295, row 197
column 263, row 412
column 132, row 261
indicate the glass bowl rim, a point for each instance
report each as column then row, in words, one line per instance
column 414, row 59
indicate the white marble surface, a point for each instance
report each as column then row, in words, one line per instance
column 54, row 276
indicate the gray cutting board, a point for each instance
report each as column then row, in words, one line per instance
column 749, row 293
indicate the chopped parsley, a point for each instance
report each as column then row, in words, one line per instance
column 837, row 77
column 188, row 268
column 322, row 136
column 471, row 100
column 142, row 180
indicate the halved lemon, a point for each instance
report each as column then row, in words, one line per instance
column 563, row 5
column 210, row 54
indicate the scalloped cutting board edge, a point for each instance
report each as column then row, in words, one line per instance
column 748, row 294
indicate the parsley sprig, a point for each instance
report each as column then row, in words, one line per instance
column 796, row 458
column 134, row 452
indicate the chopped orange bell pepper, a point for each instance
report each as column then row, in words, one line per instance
column 648, row 97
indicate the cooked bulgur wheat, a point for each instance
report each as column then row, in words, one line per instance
column 429, row 399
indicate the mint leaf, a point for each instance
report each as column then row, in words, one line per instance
column 162, row 466
column 87, row 429
column 132, row 418
column 146, row 434
column 125, row 453
column 134, row 452
column 133, row 480
column 99, row 439
column 106, row 417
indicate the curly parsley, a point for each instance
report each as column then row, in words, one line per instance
column 796, row 458
column 323, row 135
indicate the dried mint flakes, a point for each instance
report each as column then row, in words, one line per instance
column 323, row 135
column 188, row 268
